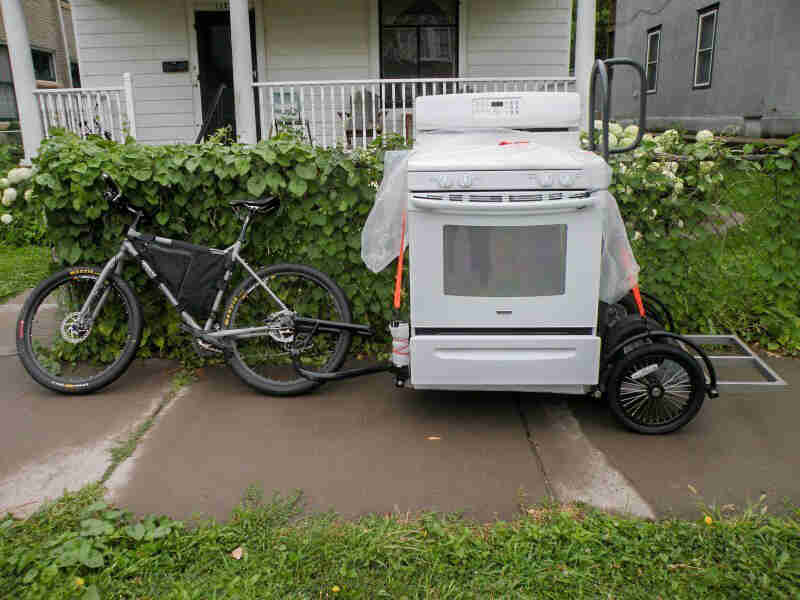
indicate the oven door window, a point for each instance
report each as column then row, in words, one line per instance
column 505, row 262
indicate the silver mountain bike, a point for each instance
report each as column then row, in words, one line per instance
column 284, row 329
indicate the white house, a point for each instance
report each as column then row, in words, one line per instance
column 344, row 70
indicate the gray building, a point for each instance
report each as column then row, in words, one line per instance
column 731, row 66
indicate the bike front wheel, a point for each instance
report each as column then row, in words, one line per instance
column 72, row 353
column 264, row 361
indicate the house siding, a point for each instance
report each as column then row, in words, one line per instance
column 518, row 38
column 755, row 86
column 44, row 31
column 308, row 39
column 122, row 36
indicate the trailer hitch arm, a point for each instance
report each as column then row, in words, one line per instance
column 337, row 375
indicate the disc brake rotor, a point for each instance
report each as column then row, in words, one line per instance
column 75, row 329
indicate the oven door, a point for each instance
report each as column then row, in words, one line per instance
column 500, row 267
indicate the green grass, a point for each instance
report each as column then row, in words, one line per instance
column 548, row 552
column 22, row 268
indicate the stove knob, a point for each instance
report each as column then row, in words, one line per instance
column 566, row 180
column 546, row 180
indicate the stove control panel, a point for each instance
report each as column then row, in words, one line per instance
column 497, row 180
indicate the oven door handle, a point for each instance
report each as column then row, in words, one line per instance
column 542, row 206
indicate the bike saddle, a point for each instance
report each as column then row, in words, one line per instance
column 262, row 204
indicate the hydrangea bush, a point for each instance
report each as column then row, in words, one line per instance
column 21, row 217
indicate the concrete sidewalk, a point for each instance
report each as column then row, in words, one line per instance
column 363, row 446
column 356, row 447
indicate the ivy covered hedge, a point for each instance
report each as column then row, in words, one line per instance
column 185, row 191
column 675, row 195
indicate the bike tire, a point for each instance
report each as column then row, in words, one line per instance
column 294, row 384
column 77, row 384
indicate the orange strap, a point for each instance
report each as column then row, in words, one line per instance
column 398, row 280
column 638, row 297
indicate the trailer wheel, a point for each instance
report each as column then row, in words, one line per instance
column 657, row 388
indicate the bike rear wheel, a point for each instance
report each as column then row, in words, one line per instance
column 264, row 361
column 71, row 355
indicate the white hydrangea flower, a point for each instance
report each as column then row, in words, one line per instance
column 28, row 195
column 705, row 136
column 654, row 166
column 6, row 219
column 627, row 141
column 616, row 129
column 648, row 137
column 631, row 131
column 19, row 175
column 671, row 166
column 678, row 186
column 654, row 213
column 4, row 183
column 706, row 166
column 637, row 236
column 9, row 195
column 598, row 124
column 681, row 223
column 623, row 169
column 612, row 140
column 629, row 190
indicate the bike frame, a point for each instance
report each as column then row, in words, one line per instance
column 211, row 332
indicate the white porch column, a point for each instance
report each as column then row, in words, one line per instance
column 584, row 52
column 19, row 49
column 243, row 72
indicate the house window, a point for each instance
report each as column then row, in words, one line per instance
column 419, row 38
column 651, row 61
column 43, row 65
column 706, row 42
column 8, row 100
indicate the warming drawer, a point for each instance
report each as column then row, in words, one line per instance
column 497, row 361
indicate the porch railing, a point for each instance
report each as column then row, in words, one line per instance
column 353, row 113
column 104, row 111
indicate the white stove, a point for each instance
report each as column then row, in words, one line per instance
column 506, row 238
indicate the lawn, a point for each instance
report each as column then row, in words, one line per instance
column 269, row 550
column 22, row 268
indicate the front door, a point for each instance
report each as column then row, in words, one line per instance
column 215, row 64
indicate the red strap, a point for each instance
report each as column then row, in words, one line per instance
column 638, row 297
column 505, row 143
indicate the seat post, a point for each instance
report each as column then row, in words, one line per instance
column 245, row 224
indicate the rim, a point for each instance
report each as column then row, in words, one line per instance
column 655, row 390
column 92, row 353
column 268, row 356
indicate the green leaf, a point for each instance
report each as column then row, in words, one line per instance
column 89, row 556
column 93, row 527
column 257, row 184
column 162, row 217
column 74, row 255
column 242, row 165
column 99, row 505
column 306, row 170
column 91, row 593
column 136, row 531
column 142, row 173
column 784, row 163
column 297, row 187
column 268, row 154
